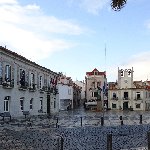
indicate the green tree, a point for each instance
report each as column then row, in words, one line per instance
column 117, row 5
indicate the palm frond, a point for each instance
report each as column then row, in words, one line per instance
column 117, row 5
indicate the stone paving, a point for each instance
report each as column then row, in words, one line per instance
column 40, row 132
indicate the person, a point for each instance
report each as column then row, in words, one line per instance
column 105, row 107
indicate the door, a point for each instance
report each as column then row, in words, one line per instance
column 48, row 104
column 125, row 105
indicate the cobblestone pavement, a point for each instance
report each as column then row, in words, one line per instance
column 86, row 133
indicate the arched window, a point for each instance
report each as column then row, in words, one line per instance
column 22, row 103
column 6, row 103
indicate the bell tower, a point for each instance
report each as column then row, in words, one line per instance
column 125, row 78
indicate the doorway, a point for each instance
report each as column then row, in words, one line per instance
column 125, row 105
column 48, row 104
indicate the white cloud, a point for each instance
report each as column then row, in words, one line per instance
column 91, row 6
column 8, row 2
column 28, row 31
column 140, row 64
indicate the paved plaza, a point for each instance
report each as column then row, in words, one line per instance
column 80, row 130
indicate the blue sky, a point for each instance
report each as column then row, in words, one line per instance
column 69, row 36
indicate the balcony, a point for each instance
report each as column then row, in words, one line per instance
column 126, row 98
column 23, row 86
column 32, row 88
column 138, row 98
column 42, row 90
column 8, row 84
column 114, row 98
column 55, row 91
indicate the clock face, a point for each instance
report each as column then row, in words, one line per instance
column 125, row 81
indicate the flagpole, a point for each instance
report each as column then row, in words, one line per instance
column 104, row 86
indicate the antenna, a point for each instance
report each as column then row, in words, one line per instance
column 105, row 57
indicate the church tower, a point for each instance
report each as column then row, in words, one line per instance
column 125, row 78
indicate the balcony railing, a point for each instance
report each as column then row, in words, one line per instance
column 139, row 98
column 32, row 88
column 43, row 89
column 126, row 98
column 8, row 84
column 114, row 98
column 23, row 86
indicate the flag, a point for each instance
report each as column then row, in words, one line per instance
column 104, row 87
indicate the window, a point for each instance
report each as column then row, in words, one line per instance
column 22, row 77
column 54, row 104
column 138, row 95
column 41, row 103
column 7, row 73
column 114, row 95
column 138, row 105
column 6, row 103
column 0, row 69
column 126, row 95
column 95, row 94
column 146, row 94
column 92, row 94
column 96, row 73
column 98, row 84
column 22, row 103
column 93, row 84
column 69, row 91
column 32, row 80
column 31, row 103
column 113, row 105
column 122, row 73
column 40, row 84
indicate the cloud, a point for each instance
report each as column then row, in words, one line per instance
column 94, row 6
column 8, row 2
column 140, row 64
column 91, row 6
column 29, row 32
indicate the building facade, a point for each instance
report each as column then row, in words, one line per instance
column 82, row 85
column 128, row 94
column 26, row 86
column 65, row 89
column 95, row 84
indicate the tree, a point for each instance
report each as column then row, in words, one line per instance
column 117, row 5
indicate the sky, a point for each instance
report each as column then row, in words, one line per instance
column 72, row 36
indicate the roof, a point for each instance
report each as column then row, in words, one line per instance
column 95, row 70
column 23, row 58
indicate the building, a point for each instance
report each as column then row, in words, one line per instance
column 76, row 95
column 127, row 94
column 82, row 85
column 26, row 86
column 95, row 85
column 65, row 88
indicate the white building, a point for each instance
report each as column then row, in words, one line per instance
column 82, row 85
column 128, row 94
column 26, row 86
column 65, row 89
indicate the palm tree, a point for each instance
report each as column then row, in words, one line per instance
column 117, row 5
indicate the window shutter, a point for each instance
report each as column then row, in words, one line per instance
column 38, row 80
column 27, row 77
column 1, row 72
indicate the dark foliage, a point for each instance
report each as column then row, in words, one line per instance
column 117, row 5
